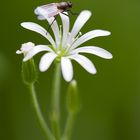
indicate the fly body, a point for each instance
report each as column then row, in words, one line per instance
column 53, row 9
column 64, row 6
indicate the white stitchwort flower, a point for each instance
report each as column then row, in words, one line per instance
column 64, row 46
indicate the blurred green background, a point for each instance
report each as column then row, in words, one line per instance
column 110, row 99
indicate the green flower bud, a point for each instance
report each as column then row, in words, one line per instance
column 29, row 72
column 73, row 103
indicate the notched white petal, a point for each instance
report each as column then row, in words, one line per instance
column 34, row 27
column 84, row 62
column 67, row 69
column 37, row 28
column 93, row 50
column 65, row 22
column 89, row 35
column 46, row 61
column 37, row 49
column 80, row 21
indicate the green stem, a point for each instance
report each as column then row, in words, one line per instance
column 42, row 123
column 56, row 102
column 69, row 126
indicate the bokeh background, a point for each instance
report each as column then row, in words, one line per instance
column 110, row 99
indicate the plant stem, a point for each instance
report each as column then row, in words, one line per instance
column 39, row 116
column 56, row 102
column 69, row 126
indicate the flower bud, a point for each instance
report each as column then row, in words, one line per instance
column 29, row 72
column 73, row 104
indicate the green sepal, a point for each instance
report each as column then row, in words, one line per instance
column 29, row 72
column 73, row 102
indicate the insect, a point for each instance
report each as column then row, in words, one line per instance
column 53, row 9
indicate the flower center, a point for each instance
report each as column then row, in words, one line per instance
column 61, row 52
column 66, row 49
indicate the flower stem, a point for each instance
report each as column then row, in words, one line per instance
column 39, row 116
column 55, row 118
column 69, row 126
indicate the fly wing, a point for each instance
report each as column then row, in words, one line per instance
column 50, row 10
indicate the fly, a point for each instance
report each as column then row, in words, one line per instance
column 53, row 9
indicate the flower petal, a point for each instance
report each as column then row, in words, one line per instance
column 36, row 50
column 67, row 69
column 84, row 62
column 54, row 26
column 46, row 61
column 25, row 48
column 37, row 28
column 66, row 26
column 93, row 50
column 19, row 52
column 80, row 21
column 89, row 35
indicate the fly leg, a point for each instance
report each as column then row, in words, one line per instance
column 52, row 23
column 73, row 13
column 69, row 11
column 65, row 14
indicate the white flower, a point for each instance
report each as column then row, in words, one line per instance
column 25, row 48
column 64, row 47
